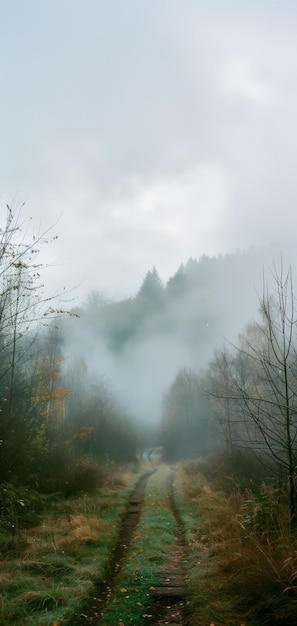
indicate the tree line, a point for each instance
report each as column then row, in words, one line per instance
column 58, row 416
column 54, row 421
column 245, row 402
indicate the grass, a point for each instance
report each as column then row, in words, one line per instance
column 132, row 597
column 243, row 568
column 242, row 560
column 47, row 570
column 207, row 597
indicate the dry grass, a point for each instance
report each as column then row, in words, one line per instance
column 49, row 569
column 243, row 565
column 64, row 532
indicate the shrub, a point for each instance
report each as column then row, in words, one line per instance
column 20, row 507
column 59, row 470
column 84, row 477
column 234, row 470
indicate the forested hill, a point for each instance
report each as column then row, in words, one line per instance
column 140, row 343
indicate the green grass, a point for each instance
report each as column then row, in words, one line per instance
column 132, row 597
column 239, row 573
column 46, row 571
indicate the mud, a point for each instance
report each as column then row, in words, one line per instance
column 90, row 613
column 170, row 602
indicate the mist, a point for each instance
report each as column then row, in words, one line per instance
column 149, row 134
column 138, row 345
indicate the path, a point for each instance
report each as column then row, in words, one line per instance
column 168, row 598
column 170, row 595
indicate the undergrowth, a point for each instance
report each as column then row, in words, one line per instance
column 242, row 557
column 131, row 600
column 48, row 568
column 243, row 564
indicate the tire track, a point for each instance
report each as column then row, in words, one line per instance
column 170, row 603
column 91, row 611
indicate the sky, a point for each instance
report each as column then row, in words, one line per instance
column 143, row 133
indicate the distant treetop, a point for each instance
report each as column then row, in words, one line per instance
column 152, row 287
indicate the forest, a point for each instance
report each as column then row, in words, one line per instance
column 204, row 366
column 86, row 378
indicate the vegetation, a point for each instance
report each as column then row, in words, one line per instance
column 131, row 600
column 58, row 551
column 55, row 424
column 65, row 430
column 258, row 387
column 243, row 556
column 187, row 428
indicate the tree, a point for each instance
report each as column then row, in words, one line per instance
column 151, row 290
column 48, row 392
column 262, row 381
column 23, row 307
column 186, row 426
column 177, row 284
column 98, row 426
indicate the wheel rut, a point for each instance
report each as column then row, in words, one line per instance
column 93, row 608
column 170, row 603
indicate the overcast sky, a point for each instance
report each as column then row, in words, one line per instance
column 149, row 131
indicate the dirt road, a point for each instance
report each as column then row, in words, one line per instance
column 167, row 599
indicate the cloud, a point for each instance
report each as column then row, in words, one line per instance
column 106, row 232
column 174, row 205
column 238, row 77
column 165, row 133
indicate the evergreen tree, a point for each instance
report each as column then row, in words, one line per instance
column 152, row 289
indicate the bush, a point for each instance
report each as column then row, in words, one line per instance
column 252, row 569
column 20, row 507
column 234, row 470
column 194, row 467
column 84, row 477
column 59, row 470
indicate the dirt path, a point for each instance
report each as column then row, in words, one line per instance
column 168, row 599
column 170, row 595
column 93, row 609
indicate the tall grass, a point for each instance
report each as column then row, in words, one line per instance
column 48, row 569
column 244, row 559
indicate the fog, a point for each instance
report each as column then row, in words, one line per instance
column 137, row 346
column 146, row 134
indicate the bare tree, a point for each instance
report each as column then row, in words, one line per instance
column 262, row 383
column 23, row 307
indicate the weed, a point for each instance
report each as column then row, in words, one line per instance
column 52, row 566
column 243, row 561
column 132, row 596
